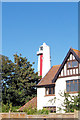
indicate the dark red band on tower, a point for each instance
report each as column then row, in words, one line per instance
column 41, row 60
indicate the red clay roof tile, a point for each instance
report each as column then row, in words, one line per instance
column 32, row 103
column 77, row 52
column 47, row 80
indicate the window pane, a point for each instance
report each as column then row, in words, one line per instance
column 75, row 81
column 46, row 91
column 79, row 81
column 72, row 86
column 49, row 90
column 71, row 81
column 67, row 88
column 53, row 90
column 76, row 87
column 69, row 64
column 79, row 87
column 74, row 63
column 67, row 81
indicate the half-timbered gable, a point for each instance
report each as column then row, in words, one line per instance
column 70, row 66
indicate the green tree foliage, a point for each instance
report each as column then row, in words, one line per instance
column 71, row 102
column 7, row 69
column 18, row 80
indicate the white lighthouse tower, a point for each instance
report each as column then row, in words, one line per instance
column 44, row 63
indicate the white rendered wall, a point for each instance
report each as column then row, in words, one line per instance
column 46, row 60
column 49, row 101
column 43, row 100
column 61, row 87
column 40, row 98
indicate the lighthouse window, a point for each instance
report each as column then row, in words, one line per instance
column 41, row 48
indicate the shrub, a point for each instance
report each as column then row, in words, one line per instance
column 31, row 111
column 6, row 108
column 43, row 111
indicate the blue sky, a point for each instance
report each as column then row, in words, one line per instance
column 25, row 26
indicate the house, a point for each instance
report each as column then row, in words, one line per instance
column 60, row 78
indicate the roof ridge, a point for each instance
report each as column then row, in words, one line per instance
column 75, row 49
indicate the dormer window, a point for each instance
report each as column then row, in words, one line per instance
column 41, row 48
column 72, row 64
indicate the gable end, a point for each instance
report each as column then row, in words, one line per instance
column 71, row 51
